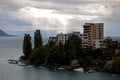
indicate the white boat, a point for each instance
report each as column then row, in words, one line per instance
column 61, row 68
column 22, row 64
column 90, row 71
column 79, row 69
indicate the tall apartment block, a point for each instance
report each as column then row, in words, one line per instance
column 93, row 34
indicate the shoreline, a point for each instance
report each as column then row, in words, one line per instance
column 62, row 67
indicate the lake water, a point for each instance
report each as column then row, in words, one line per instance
column 12, row 48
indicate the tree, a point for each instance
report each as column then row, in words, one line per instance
column 70, row 51
column 73, row 49
column 60, row 52
column 39, row 56
column 107, row 43
column 56, row 56
column 27, row 46
column 110, row 46
column 52, row 57
column 116, row 65
column 97, row 53
column 113, row 65
column 37, row 39
column 88, row 51
column 74, row 44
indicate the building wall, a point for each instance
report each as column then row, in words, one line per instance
column 52, row 39
column 62, row 37
column 101, row 30
column 93, row 33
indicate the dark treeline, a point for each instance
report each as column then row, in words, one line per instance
column 106, row 58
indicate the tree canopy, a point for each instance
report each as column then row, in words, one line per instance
column 38, row 56
column 27, row 45
column 37, row 38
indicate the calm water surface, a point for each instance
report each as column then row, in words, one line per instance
column 12, row 48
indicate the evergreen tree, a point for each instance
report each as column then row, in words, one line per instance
column 37, row 39
column 74, row 46
column 56, row 57
column 27, row 46
column 39, row 55
column 72, row 49
column 77, row 44
column 109, row 47
column 60, row 53
column 51, row 60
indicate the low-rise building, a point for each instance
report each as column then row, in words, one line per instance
column 75, row 33
column 52, row 39
column 63, row 37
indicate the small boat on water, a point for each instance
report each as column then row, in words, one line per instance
column 90, row 71
column 12, row 61
column 79, row 69
column 22, row 64
column 61, row 68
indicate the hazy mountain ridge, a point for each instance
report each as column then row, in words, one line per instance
column 4, row 34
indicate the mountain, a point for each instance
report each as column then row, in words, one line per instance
column 4, row 34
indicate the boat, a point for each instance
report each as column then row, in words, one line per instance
column 90, row 71
column 12, row 61
column 79, row 69
column 22, row 64
column 61, row 68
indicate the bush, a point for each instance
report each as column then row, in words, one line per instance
column 75, row 63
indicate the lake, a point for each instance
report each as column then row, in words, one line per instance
column 11, row 48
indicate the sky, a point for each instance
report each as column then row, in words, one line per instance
column 59, row 15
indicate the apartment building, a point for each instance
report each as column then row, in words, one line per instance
column 62, row 37
column 92, row 34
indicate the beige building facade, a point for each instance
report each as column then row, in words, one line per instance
column 92, row 34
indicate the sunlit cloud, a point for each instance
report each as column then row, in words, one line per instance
column 58, row 15
column 51, row 13
column 53, row 16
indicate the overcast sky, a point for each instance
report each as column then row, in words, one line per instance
column 59, row 15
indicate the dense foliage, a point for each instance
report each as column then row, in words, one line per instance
column 37, row 39
column 73, row 49
column 38, row 56
column 27, row 46
column 106, row 58
column 56, row 56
